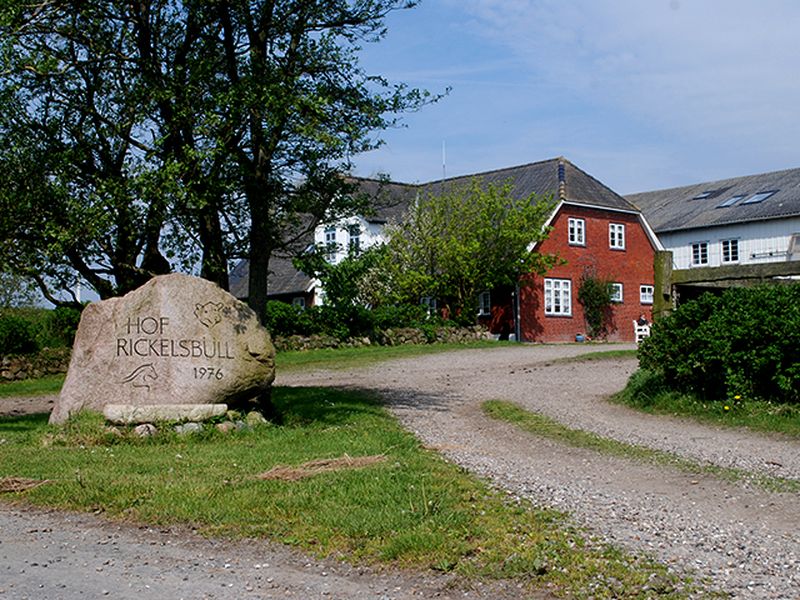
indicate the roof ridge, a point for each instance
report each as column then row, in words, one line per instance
column 493, row 171
column 600, row 183
column 716, row 181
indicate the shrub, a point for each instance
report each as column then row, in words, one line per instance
column 63, row 324
column 594, row 294
column 17, row 335
column 745, row 342
column 287, row 319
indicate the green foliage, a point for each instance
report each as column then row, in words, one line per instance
column 63, row 324
column 346, row 321
column 594, row 294
column 743, row 344
column 16, row 291
column 344, row 282
column 48, row 328
column 648, row 391
column 17, row 335
column 464, row 241
column 141, row 137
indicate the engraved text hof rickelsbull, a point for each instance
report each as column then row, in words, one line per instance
column 160, row 345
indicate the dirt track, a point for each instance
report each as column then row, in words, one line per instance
column 744, row 540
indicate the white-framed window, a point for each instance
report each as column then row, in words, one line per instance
column 699, row 253
column 730, row 251
column 330, row 243
column 299, row 301
column 646, row 292
column 484, row 304
column 354, row 232
column 576, row 230
column 430, row 304
column 616, row 236
column 558, row 297
column 616, row 292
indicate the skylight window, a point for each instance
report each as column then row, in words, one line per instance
column 759, row 197
column 732, row 200
column 704, row 195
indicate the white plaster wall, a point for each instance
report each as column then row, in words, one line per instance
column 759, row 242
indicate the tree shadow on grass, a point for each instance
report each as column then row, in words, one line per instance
column 329, row 406
column 23, row 423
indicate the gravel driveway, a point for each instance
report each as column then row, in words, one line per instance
column 743, row 539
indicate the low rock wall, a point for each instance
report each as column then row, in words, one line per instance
column 30, row 366
column 391, row 337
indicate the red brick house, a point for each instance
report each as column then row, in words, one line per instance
column 593, row 230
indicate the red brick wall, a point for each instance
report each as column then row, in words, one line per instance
column 631, row 267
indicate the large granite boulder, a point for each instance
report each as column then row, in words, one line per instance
column 175, row 340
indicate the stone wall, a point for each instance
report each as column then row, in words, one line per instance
column 391, row 337
column 29, row 366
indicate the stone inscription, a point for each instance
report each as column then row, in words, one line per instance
column 158, row 342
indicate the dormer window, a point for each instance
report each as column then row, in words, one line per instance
column 759, row 197
column 732, row 200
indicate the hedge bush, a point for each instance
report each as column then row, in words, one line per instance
column 744, row 342
column 26, row 330
column 286, row 320
column 17, row 335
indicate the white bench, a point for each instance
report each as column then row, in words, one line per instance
column 640, row 331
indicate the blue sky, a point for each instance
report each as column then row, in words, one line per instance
column 641, row 94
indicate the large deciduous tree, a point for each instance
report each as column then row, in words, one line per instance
column 468, row 239
column 148, row 127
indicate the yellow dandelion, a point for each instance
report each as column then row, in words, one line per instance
column 727, row 407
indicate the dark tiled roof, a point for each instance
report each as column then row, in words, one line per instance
column 676, row 209
column 283, row 278
column 389, row 199
column 542, row 178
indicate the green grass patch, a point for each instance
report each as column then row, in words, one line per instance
column 598, row 355
column 349, row 358
column 549, row 428
column 646, row 391
column 413, row 509
column 50, row 384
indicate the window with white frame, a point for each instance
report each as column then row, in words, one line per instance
column 330, row 243
column 299, row 301
column 615, row 290
column 646, row 294
column 616, row 236
column 558, row 297
column 699, row 253
column 730, row 251
column 576, row 229
column 484, row 304
column 354, row 243
column 429, row 302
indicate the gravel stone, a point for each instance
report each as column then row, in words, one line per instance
column 739, row 538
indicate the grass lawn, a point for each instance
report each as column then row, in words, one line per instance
column 32, row 387
column 647, row 392
column 348, row 358
column 410, row 509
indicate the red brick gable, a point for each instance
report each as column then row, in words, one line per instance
column 632, row 267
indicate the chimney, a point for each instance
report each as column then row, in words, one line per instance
column 562, row 179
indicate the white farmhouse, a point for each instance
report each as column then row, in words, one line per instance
column 728, row 232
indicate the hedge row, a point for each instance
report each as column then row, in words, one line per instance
column 27, row 330
column 744, row 342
